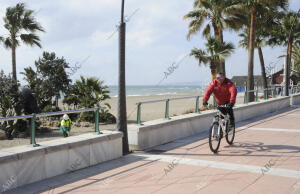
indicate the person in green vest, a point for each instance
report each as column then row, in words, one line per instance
column 65, row 125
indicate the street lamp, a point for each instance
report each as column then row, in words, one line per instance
column 122, row 115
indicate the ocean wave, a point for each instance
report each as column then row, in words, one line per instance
column 159, row 94
column 167, row 93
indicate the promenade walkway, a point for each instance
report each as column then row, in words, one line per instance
column 265, row 158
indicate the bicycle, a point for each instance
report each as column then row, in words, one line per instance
column 218, row 128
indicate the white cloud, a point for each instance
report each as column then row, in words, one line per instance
column 100, row 38
column 90, row 7
column 143, row 37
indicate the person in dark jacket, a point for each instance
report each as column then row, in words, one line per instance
column 225, row 92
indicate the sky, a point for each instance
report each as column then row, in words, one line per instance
column 80, row 31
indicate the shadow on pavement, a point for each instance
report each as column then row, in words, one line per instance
column 64, row 179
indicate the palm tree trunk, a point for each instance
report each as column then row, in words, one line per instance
column 287, row 66
column 13, row 55
column 213, row 70
column 290, row 50
column 263, row 69
column 289, row 57
column 217, row 35
column 250, row 83
column 222, row 62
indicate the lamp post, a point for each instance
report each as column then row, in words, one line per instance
column 122, row 115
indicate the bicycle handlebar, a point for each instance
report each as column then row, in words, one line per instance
column 223, row 106
column 220, row 106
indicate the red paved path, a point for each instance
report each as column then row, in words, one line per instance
column 187, row 165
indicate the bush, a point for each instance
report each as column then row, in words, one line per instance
column 87, row 116
column 73, row 116
column 50, row 108
column 106, row 117
column 11, row 102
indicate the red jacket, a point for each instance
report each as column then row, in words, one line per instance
column 224, row 93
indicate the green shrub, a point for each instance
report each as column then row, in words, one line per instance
column 106, row 117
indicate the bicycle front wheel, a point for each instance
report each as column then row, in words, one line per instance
column 230, row 134
column 214, row 137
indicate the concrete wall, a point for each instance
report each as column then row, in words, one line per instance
column 295, row 99
column 251, row 110
column 26, row 164
column 157, row 132
column 161, row 131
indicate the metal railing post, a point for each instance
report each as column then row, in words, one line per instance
column 245, row 94
column 256, row 94
column 97, row 121
column 245, row 97
column 265, row 94
column 197, row 105
column 281, row 92
column 32, row 139
column 215, row 103
column 138, row 119
column 167, row 109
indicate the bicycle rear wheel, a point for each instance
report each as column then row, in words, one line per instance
column 230, row 134
column 214, row 137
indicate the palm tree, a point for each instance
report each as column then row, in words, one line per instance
column 259, row 43
column 218, row 15
column 87, row 93
column 255, row 6
column 215, row 51
column 296, row 56
column 281, row 33
column 287, row 32
column 21, row 26
column 262, row 35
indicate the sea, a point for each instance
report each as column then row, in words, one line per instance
column 148, row 90
column 155, row 90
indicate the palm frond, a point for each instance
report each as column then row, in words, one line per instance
column 197, row 18
column 200, row 55
column 31, row 39
column 7, row 43
column 206, row 31
column 29, row 23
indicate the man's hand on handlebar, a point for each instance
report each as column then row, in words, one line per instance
column 230, row 105
column 205, row 104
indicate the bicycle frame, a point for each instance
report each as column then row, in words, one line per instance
column 222, row 120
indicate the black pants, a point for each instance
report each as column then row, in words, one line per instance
column 229, row 111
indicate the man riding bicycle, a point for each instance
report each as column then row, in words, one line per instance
column 225, row 92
